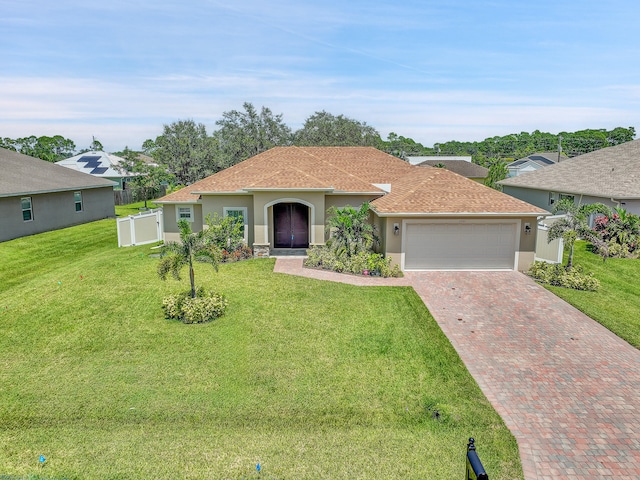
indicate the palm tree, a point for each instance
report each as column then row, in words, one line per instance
column 574, row 224
column 192, row 247
column 350, row 228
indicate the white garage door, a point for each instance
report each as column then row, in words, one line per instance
column 460, row 246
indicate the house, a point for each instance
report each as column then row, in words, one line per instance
column 415, row 160
column 465, row 168
column 610, row 176
column 37, row 196
column 533, row 162
column 101, row 165
column 426, row 218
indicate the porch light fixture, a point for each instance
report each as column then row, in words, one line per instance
column 396, row 229
column 527, row 229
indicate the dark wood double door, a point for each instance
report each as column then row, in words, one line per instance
column 291, row 225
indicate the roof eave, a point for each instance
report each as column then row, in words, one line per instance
column 462, row 214
column 56, row 190
column 286, row 189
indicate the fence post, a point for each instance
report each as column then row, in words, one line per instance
column 475, row 470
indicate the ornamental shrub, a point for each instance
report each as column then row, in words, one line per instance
column 328, row 258
column 560, row 276
column 206, row 306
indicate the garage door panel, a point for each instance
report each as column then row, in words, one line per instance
column 465, row 246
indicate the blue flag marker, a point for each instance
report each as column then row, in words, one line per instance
column 258, row 468
column 42, row 459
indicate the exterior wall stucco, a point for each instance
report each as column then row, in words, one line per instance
column 212, row 204
column 52, row 211
column 172, row 233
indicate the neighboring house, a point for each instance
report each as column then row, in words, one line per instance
column 437, row 158
column 99, row 164
column 610, row 176
column 477, row 173
column 426, row 218
column 37, row 196
column 533, row 162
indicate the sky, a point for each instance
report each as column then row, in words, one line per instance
column 430, row 70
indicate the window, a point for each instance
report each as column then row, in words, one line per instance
column 567, row 197
column 27, row 209
column 77, row 198
column 184, row 213
column 552, row 198
column 240, row 213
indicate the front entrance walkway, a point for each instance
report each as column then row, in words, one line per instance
column 567, row 388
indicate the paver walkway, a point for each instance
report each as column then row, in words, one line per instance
column 567, row 388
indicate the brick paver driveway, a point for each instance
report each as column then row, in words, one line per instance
column 567, row 388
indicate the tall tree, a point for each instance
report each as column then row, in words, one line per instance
column 402, row 147
column 324, row 129
column 51, row 149
column 147, row 177
column 243, row 134
column 185, row 150
column 497, row 171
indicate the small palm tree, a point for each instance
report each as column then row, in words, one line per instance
column 351, row 229
column 574, row 224
column 192, row 247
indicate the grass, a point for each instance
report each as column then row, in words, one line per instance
column 617, row 304
column 310, row 379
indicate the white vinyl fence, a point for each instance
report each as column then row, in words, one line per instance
column 545, row 251
column 140, row 229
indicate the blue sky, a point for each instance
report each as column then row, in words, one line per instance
column 430, row 70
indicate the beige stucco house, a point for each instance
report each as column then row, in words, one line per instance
column 427, row 218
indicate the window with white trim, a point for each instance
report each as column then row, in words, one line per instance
column 239, row 213
column 184, row 212
column 77, row 198
column 27, row 209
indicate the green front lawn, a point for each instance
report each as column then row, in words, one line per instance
column 617, row 304
column 310, row 379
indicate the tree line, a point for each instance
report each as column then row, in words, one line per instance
column 188, row 153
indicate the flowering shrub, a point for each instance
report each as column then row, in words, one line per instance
column 243, row 252
column 206, row 306
column 619, row 234
column 558, row 275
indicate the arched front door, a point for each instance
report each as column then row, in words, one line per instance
column 291, row 225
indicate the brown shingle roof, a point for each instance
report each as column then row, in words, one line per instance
column 357, row 170
column 341, row 169
column 609, row 172
column 22, row 174
column 440, row 191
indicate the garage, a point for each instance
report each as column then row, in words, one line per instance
column 466, row 245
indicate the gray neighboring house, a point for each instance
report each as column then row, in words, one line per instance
column 610, row 176
column 533, row 162
column 38, row 196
